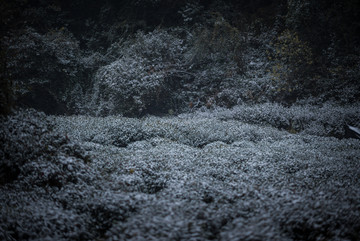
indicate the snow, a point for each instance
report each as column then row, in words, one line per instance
column 199, row 176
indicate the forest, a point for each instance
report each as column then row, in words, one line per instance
column 179, row 120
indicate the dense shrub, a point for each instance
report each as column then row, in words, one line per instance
column 329, row 33
column 324, row 21
column 340, row 83
column 203, row 175
column 144, row 77
column 255, row 85
column 184, row 55
column 325, row 120
column 292, row 60
column 30, row 150
column 44, row 68
column 216, row 55
column 219, row 177
column 173, row 70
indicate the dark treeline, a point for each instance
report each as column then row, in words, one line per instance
column 54, row 54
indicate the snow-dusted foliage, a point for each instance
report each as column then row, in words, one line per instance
column 43, row 68
column 169, row 69
column 118, row 131
column 32, row 153
column 254, row 139
column 202, row 176
column 143, row 78
column 326, row 120
column 190, row 12
column 255, row 84
column 319, row 120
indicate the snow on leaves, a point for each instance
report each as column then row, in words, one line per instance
column 199, row 176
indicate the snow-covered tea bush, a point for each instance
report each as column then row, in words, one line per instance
column 110, row 130
column 326, row 120
column 31, row 152
column 320, row 120
column 199, row 176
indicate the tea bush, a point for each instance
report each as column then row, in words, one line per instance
column 31, row 152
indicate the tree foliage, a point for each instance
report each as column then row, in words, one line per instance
column 291, row 70
column 56, row 53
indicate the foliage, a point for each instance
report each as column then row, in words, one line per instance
column 216, row 41
column 141, row 79
column 215, row 56
column 292, row 60
column 164, row 70
column 43, row 67
column 190, row 12
column 213, row 171
column 324, row 20
column 258, row 171
column 339, row 81
column 6, row 92
column 198, row 170
column 328, row 120
column 31, row 151
column 325, row 120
